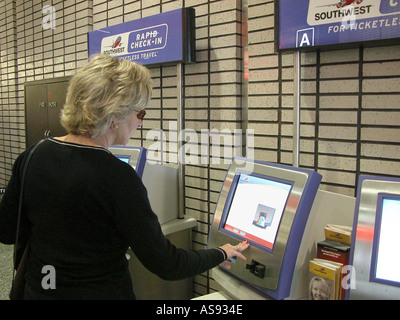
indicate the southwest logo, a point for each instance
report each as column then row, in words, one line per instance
column 116, row 43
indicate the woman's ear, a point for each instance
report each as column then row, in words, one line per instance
column 114, row 125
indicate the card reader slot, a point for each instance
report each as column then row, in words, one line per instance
column 256, row 268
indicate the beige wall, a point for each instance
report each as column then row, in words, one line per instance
column 350, row 99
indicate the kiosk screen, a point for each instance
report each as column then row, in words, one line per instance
column 256, row 208
column 125, row 159
column 387, row 238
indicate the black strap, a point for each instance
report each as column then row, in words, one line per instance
column 28, row 157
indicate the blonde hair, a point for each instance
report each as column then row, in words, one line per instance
column 103, row 91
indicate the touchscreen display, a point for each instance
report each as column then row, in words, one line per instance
column 388, row 256
column 124, row 158
column 256, row 209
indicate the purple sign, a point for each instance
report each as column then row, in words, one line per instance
column 163, row 38
column 309, row 23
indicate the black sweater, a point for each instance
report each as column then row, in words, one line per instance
column 85, row 208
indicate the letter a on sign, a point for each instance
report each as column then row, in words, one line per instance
column 305, row 40
column 305, row 37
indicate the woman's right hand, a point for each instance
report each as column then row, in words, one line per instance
column 234, row 251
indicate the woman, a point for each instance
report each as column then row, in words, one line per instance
column 85, row 207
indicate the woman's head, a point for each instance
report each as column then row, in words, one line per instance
column 103, row 93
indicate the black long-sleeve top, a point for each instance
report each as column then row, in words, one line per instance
column 85, row 208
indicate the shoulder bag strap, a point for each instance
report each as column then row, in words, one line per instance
column 28, row 157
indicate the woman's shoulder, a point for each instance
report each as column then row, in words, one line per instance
column 97, row 158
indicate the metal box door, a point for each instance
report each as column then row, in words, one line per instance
column 36, row 113
column 56, row 93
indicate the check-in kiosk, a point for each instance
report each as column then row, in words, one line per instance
column 134, row 156
column 267, row 204
column 375, row 256
column 161, row 182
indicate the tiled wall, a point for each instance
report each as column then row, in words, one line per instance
column 29, row 52
column 350, row 99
